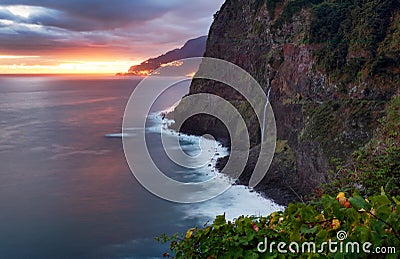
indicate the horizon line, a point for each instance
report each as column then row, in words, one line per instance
column 57, row 74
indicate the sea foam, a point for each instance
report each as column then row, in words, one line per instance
column 237, row 200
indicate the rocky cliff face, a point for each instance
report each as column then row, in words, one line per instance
column 331, row 66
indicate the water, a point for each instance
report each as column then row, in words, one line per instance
column 265, row 114
column 66, row 190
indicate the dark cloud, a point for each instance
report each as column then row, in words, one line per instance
column 130, row 27
column 104, row 14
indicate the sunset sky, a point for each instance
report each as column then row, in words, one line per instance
column 95, row 36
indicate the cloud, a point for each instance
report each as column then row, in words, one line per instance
column 92, row 14
column 104, row 14
column 128, row 29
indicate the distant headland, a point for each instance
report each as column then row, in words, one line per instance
column 192, row 48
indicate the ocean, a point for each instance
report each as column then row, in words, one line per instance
column 66, row 190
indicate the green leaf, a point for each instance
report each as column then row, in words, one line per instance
column 396, row 200
column 383, row 212
column 339, row 256
column 308, row 213
column 359, row 203
column 363, row 233
column 321, row 236
column 307, row 230
column 250, row 254
column 380, row 200
column 220, row 220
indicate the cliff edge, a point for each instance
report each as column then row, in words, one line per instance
column 331, row 65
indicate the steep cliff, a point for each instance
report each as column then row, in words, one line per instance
column 331, row 65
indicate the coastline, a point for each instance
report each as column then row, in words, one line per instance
column 273, row 185
column 164, row 119
column 276, row 186
column 270, row 192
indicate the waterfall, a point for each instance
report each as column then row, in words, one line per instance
column 265, row 114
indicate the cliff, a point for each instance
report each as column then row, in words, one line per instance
column 332, row 67
column 192, row 48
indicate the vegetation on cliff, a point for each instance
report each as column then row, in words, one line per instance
column 358, row 37
column 376, row 164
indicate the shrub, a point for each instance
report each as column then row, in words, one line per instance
column 375, row 220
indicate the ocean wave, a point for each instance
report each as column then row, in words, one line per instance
column 237, row 200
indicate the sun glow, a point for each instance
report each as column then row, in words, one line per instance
column 192, row 74
column 16, row 57
column 68, row 68
column 173, row 64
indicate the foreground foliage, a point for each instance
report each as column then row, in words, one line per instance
column 375, row 220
